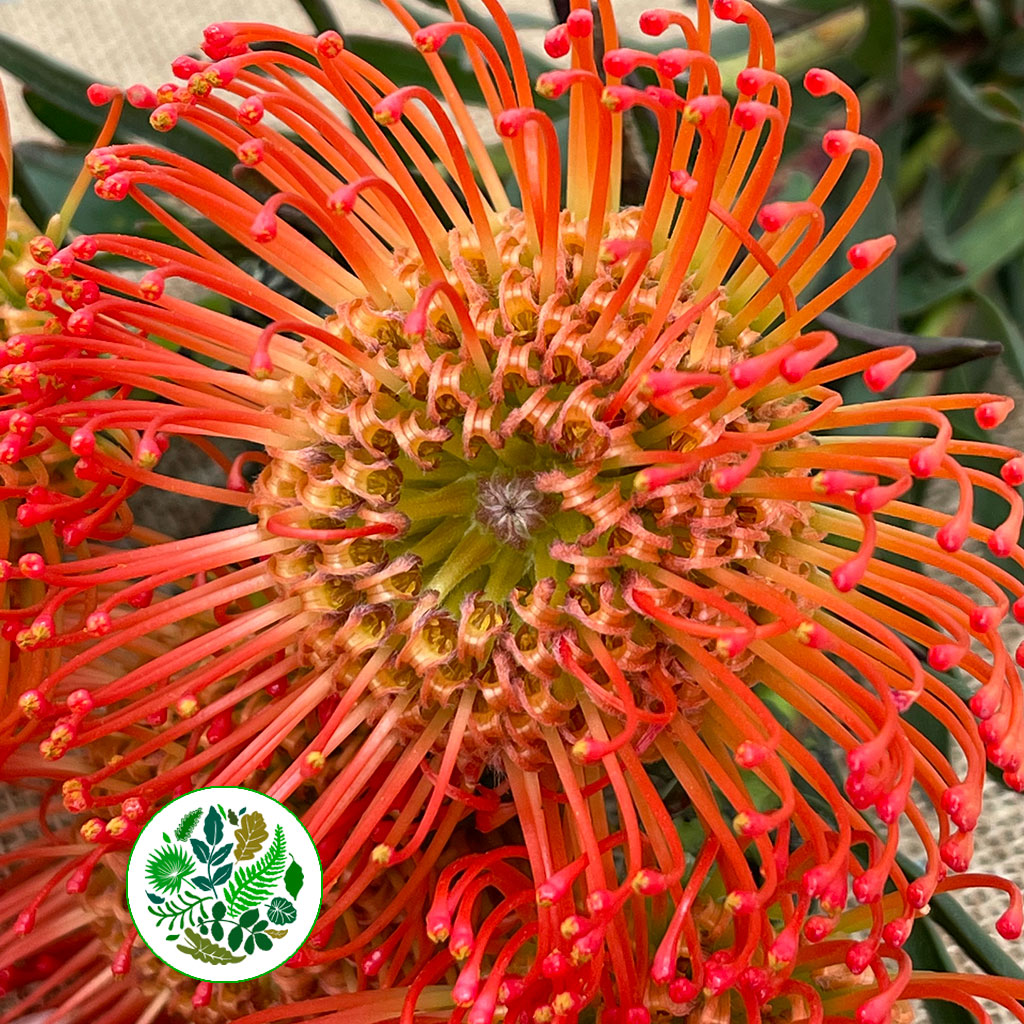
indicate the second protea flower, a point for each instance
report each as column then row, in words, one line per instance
column 560, row 527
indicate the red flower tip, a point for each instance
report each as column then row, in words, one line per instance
column 221, row 33
column 329, row 44
column 185, row 66
column 624, row 60
column 951, row 537
column 431, row 38
column 371, row 964
column 819, row 82
column 134, row 808
column 439, row 924
column 732, row 10
column 618, row 98
column 817, row 928
column 251, row 152
column 98, row 623
column 957, row 851
column 742, row 902
column 883, row 374
column 647, row 882
column 100, row 95
column 79, row 702
column 985, row 617
column 859, row 955
column 735, row 642
column 925, row 462
column 846, row 576
column 718, row 977
column 943, row 657
column 94, row 830
column 992, row 414
column 682, row 184
column 840, row 142
column 580, row 24
column 750, row 114
column 31, row 566
column 896, row 933
column 555, row 965
column 868, row 254
column 202, row 995
column 797, row 365
column 782, row 951
column 42, row 249
column 682, row 990
column 148, row 453
column 556, row 43
column 1011, row 923
column 654, row 21
column 750, row 81
column 1012, row 471
column 33, row 705
column 264, row 227
column 84, row 247
column 151, row 285
column 1002, row 540
column 165, row 117
column 751, row 823
column 250, row 111
column 963, row 804
column 312, row 764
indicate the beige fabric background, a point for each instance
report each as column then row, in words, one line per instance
column 127, row 41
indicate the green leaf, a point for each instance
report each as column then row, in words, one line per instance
column 277, row 933
column 167, row 868
column 218, row 910
column 253, row 884
column 208, row 951
column 878, row 51
column 320, row 15
column 281, row 911
column 986, row 118
column 187, row 825
column 222, row 874
column 250, row 944
column 235, row 937
column 293, row 879
column 251, row 836
column 263, row 941
column 213, row 827
column 201, row 850
column 217, row 930
column 221, row 855
column 248, row 919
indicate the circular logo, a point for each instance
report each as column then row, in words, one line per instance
column 224, row 884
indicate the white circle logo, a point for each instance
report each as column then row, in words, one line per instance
column 224, row 884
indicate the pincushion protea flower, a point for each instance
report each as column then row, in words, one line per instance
column 560, row 524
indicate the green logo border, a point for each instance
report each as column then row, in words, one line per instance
column 320, row 887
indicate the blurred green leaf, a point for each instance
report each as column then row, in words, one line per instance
column 987, row 119
column 877, row 52
column 404, row 64
column 320, row 15
column 991, row 238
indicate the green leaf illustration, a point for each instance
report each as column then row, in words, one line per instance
column 207, row 951
column 293, row 879
column 262, row 941
column 188, row 824
column 253, row 884
column 217, row 930
column 277, row 933
column 175, row 913
column 281, row 911
column 167, row 868
column 235, row 938
column 222, row 874
column 251, row 836
column 213, row 827
column 232, row 817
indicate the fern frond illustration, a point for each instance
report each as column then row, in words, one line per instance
column 188, row 824
column 254, row 883
column 175, row 914
column 167, row 868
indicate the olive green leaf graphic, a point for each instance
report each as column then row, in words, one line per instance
column 251, row 836
column 207, row 951
column 253, row 884
column 281, row 911
column 293, row 879
column 188, row 824
column 277, row 933
column 167, row 868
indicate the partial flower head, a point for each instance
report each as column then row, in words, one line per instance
column 561, row 534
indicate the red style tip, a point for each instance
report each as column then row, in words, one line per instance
column 840, row 142
column 621, row 62
column 819, row 82
column 580, row 24
column 682, row 990
column 750, row 114
column 164, row 118
column 886, row 372
column 329, row 44
column 250, row 111
column 731, row 10
column 1011, row 924
column 1012, row 471
column 185, row 66
column 141, row 97
column 868, row 254
column 992, row 414
column 750, row 81
column 557, row 43
column 100, row 95
column 655, row 21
